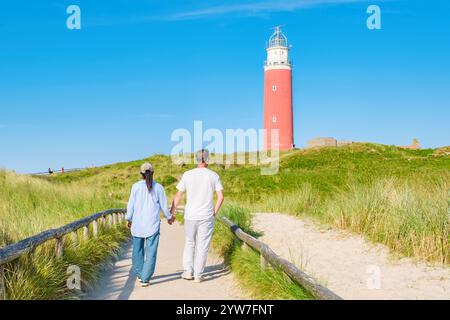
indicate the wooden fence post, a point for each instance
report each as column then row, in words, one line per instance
column 109, row 221
column 2, row 282
column 114, row 218
column 59, row 247
column 75, row 236
column 86, row 232
column 95, row 228
column 263, row 262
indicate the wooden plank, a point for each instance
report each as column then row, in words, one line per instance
column 263, row 262
column 75, row 237
column 14, row 251
column 95, row 228
column 59, row 247
column 307, row 282
column 248, row 239
column 86, row 233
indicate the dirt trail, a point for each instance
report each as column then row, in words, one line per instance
column 349, row 265
column 119, row 284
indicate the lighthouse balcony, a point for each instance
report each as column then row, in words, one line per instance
column 283, row 63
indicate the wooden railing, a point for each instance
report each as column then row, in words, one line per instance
column 108, row 218
column 269, row 257
column 114, row 216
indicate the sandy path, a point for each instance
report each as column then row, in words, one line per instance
column 349, row 265
column 119, row 284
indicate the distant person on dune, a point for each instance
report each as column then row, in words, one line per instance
column 147, row 200
column 199, row 214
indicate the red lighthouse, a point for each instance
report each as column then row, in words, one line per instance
column 278, row 93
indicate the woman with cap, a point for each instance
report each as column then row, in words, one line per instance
column 147, row 200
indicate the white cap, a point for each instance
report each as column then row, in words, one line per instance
column 146, row 167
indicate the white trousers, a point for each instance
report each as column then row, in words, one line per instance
column 198, row 235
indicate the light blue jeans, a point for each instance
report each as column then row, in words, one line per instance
column 144, row 256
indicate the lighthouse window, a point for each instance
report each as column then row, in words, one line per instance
column 274, row 119
column 274, row 88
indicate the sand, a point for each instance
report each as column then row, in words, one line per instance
column 349, row 265
column 118, row 284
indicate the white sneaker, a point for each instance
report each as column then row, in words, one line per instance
column 198, row 279
column 187, row 275
column 145, row 284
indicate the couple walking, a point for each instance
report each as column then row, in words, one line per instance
column 148, row 199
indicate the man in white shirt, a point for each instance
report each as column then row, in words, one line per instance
column 199, row 214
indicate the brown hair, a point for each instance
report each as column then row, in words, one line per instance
column 148, row 177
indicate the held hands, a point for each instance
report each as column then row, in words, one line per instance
column 172, row 219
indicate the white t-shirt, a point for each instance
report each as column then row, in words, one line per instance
column 200, row 185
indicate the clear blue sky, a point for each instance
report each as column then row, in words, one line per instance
column 137, row 70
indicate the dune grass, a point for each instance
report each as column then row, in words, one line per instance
column 268, row 283
column 339, row 186
column 412, row 219
column 42, row 276
column 29, row 206
column 394, row 196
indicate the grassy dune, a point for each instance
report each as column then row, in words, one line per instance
column 29, row 206
column 394, row 196
column 410, row 218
